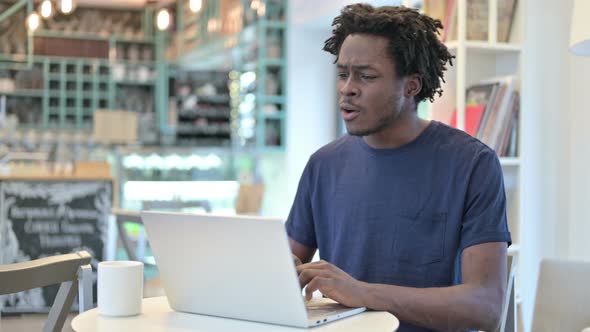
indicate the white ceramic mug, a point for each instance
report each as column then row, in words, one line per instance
column 120, row 288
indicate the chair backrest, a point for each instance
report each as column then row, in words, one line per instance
column 122, row 217
column 72, row 271
column 562, row 300
column 508, row 320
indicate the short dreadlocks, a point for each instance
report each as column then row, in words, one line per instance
column 413, row 43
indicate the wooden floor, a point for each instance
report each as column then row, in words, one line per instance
column 34, row 322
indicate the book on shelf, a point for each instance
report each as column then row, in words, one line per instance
column 477, row 20
column 491, row 114
column 440, row 10
column 513, row 142
column 509, row 138
column 477, row 104
column 450, row 22
column 486, row 127
column 437, row 9
column 506, row 14
column 493, row 129
column 473, row 114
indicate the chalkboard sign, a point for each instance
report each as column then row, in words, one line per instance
column 46, row 218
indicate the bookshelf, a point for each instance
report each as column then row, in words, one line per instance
column 248, row 39
column 201, row 112
column 481, row 60
column 69, row 90
column 95, row 58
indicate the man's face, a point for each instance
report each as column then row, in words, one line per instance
column 370, row 93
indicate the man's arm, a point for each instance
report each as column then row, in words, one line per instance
column 475, row 304
column 301, row 252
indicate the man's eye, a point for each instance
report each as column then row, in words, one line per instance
column 342, row 75
column 367, row 77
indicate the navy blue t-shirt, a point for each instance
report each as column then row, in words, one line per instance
column 401, row 216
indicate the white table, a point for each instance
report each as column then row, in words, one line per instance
column 157, row 316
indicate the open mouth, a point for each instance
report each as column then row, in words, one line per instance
column 348, row 113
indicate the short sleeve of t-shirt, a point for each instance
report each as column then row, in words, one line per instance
column 300, row 223
column 484, row 218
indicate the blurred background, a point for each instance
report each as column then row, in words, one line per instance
column 110, row 107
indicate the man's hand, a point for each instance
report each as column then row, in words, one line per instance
column 296, row 260
column 332, row 282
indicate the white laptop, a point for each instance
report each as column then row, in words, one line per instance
column 233, row 266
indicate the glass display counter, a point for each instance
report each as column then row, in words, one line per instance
column 178, row 174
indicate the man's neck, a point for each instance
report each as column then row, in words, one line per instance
column 402, row 131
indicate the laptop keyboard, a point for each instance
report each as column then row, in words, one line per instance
column 323, row 308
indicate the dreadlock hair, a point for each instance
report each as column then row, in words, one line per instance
column 413, row 43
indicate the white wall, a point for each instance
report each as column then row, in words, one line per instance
column 311, row 103
column 556, row 137
column 311, row 98
column 545, row 141
column 311, row 91
column 276, row 199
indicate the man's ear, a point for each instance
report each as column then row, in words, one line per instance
column 413, row 85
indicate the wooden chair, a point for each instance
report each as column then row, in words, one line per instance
column 562, row 301
column 72, row 271
column 123, row 217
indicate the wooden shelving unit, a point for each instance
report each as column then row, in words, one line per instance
column 70, row 94
column 258, row 48
column 72, row 88
column 119, row 73
column 202, row 108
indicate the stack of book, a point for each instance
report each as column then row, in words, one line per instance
column 491, row 114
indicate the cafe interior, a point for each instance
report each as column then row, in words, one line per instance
column 214, row 107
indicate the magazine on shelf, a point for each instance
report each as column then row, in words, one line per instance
column 473, row 115
column 493, row 128
column 491, row 113
column 509, row 128
column 477, row 103
column 513, row 143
